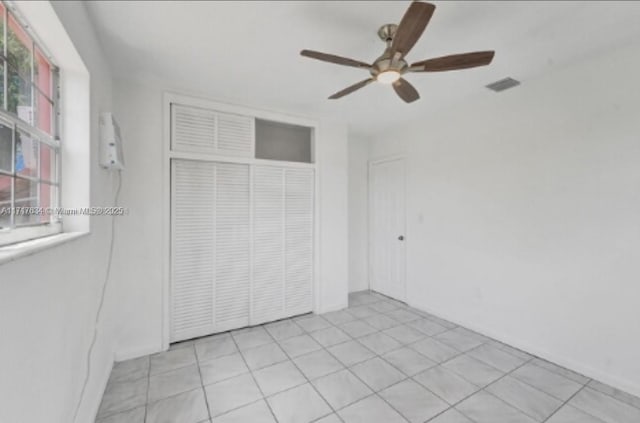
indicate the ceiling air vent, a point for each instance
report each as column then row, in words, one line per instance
column 503, row 84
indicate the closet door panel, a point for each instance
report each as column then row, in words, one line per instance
column 192, row 249
column 236, row 135
column 210, row 247
column 193, row 129
column 200, row 130
column 299, row 205
column 231, row 246
column 267, row 300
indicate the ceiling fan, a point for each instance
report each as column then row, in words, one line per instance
column 391, row 66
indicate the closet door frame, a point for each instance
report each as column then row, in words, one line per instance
column 170, row 98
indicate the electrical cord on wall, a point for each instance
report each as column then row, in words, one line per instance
column 102, row 298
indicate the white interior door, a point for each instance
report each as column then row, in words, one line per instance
column 387, row 228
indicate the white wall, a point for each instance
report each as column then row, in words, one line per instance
column 358, row 213
column 48, row 300
column 139, row 265
column 140, row 113
column 333, row 159
column 531, row 207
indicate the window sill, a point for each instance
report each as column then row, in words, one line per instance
column 15, row 251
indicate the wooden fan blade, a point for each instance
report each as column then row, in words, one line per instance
column 351, row 88
column 331, row 58
column 411, row 27
column 405, row 90
column 454, row 62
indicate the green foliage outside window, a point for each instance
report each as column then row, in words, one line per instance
column 18, row 68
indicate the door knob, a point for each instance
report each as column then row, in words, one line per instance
column 401, row 237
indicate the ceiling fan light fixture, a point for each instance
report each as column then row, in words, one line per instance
column 399, row 39
column 388, row 77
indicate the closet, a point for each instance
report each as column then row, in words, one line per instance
column 242, row 220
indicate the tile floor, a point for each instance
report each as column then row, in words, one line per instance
column 377, row 361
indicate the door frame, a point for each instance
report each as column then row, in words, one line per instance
column 371, row 164
column 170, row 97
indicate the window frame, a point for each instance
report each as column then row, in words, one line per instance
column 14, row 233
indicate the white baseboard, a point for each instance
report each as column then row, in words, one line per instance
column 104, row 379
column 365, row 288
column 334, row 307
column 628, row 386
column 137, row 351
column 123, row 354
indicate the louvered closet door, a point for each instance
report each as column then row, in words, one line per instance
column 299, row 201
column 192, row 249
column 282, row 242
column 231, row 246
column 210, row 248
column 267, row 298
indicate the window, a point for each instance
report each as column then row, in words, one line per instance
column 29, row 143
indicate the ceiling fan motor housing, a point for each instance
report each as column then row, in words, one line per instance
column 385, row 62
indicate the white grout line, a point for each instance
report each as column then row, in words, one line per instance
column 255, row 381
column 376, row 355
column 204, row 392
column 398, row 306
column 567, row 402
column 146, row 405
column 302, row 373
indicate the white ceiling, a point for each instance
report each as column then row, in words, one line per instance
column 248, row 52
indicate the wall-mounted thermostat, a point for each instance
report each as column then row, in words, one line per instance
column 111, row 156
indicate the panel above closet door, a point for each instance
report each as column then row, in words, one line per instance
column 236, row 135
column 267, row 298
column 198, row 130
column 193, row 130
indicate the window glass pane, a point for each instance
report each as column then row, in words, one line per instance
column 2, row 28
column 1, row 84
column 5, row 200
column 5, row 147
column 19, row 97
column 2, row 13
column 26, row 195
column 44, row 95
column 47, row 196
column 42, row 73
column 26, row 155
column 28, row 94
column 47, row 163
column 19, row 47
column 44, row 110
